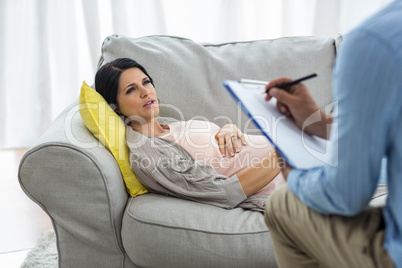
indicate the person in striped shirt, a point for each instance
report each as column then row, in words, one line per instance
column 320, row 217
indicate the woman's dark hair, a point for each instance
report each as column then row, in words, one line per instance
column 107, row 77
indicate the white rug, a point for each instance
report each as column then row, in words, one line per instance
column 44, row 255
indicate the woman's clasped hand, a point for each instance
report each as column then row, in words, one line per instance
column 229, row 136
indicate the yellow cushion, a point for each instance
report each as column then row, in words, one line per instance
column 109, row 129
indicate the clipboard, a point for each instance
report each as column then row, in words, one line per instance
column 299, row 149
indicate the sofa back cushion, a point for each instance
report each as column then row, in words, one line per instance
column 188, row 75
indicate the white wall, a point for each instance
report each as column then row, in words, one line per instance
column 48, row 47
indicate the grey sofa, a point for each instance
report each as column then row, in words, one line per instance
column 77, row 182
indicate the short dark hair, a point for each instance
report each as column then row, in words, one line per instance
column 107, row 77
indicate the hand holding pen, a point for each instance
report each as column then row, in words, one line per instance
column 292, row 91
column 291, row 86
column 296, row 101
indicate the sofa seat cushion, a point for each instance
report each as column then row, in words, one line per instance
column 163, row 231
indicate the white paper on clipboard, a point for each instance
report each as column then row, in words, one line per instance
column 299, row 149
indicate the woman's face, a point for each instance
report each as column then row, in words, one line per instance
column 136, row 95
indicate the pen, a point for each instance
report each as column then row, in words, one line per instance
column 282, row 86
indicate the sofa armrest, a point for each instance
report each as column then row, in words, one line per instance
column 77, row 182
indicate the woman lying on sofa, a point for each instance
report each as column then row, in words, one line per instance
column 193, row 159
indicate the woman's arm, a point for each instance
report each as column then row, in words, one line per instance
column 255, row 177
column 165, row 167
column 258, row 175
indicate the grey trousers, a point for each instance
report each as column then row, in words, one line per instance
column 303, row 237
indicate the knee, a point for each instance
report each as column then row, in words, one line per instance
column 275, row 206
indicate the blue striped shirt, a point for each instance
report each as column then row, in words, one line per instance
column 367, row 85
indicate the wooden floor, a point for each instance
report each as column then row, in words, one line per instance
column 22, row 221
